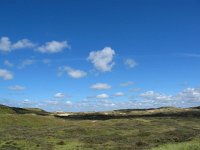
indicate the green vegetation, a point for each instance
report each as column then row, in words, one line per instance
column 191, row 145
column 30, row 131
column 15, row 110
column 6, row 110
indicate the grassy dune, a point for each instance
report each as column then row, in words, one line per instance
column 31, row 131
column 191, row 145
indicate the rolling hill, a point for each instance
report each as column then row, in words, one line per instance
column 131, row 129
column 15, row 110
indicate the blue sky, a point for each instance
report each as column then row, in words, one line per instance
column 76, row 55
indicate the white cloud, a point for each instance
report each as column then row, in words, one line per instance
column 126, row 83
column 100, row 86
column 53, row 47
column 8, row 63
column 26, row 62
column 59, row 95
column 151, row 95
column 130, row 63
column 74, row 73
column 102, row 59
column 6, row 45
column 187, row 95
column 26, row 101
column 187, row 98
column 102, row 96
column 17, row 88
column 105, row 103
column 192, row 94
column 148, row 94
column 5, row 74
column 118, row 94
column 68, row 103
column 24, row 43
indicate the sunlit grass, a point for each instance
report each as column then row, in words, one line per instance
column 191, row 145
column 24, row 130
column 27, row 131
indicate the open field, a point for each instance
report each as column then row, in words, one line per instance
column 34, row 129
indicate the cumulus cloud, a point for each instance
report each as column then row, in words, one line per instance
column 126, row 83
column 151, row 95
column 118, row 94
column 17, row 88
column 68, row 103
column 74, row 73
column 150, row 99
column 6, row 45
column 100, row 86
column 192, row 94
column 24, row 43
column 102, row 59
column 105, row 103
column 102, row 96
column 26, row 62
column 53, row 47
column 5, row 74
column 188, row 97
column 59, row 95
column 8, row 63
column 131, row 63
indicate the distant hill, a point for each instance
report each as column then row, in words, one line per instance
column 115, row 114
column 15, row 110
column 198, row 107
column 6, row 110
column 133, row 113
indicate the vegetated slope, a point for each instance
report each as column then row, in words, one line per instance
column 6, row 110
column 190, row 145
column 24, row 131
column 134, row 113
column 15, row 110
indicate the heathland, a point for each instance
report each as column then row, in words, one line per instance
column 164, row 128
